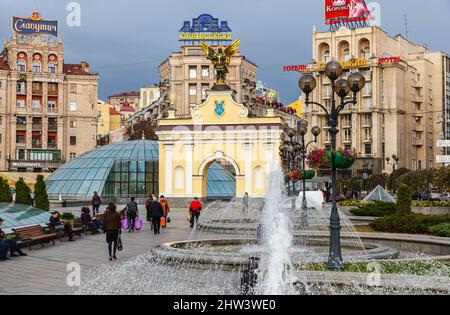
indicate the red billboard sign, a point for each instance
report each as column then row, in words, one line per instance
column 295, row 68
column 338, row 11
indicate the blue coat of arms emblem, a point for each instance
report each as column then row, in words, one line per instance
column 219, row 110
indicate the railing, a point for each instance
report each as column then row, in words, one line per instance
column 52, row 127
column 36, row 110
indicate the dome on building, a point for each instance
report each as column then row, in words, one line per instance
column 123, row 170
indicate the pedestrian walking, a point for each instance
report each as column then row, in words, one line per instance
column 166, row 208
column 155, row 213
column 194, row 211
column 32, row 197
column 131, row 213
column 112, row 226
column 245, row 202
column 96, row 203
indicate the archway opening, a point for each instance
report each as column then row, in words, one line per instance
column 220, row 181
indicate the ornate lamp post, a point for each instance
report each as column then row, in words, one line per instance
column 395, row 161
column 341, row 87
column 292, row 152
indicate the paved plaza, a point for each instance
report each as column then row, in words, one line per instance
column 44, row 270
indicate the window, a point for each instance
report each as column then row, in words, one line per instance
column 368, row 102
column 36, row 66
column 328, row 136
column 192, row 72
column 367, row 119
column 368, row 149
column 327, row 91
column 347, row 120
column 205, row 87
column 73, row 124
column 20, row 120
column 368, row 88
column 72, row 156
column 73, row 88
column 21, row 87
column 53, row 87
column 347, row 56
column 52, row 68
column 347, row 135
column 21, row 65
column 36, row 104
column 73, row 140
column 205, row 72
column 367, row 134
column 20, row 103
column 326, row 56
column 52, row 106
column 21, row 137
column 192, row 89
column 73, row 106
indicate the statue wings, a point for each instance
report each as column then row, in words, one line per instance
column 233, row 48
column 209, row 51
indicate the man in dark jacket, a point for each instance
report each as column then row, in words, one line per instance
column 155, row 212
column 8, row 244
column 132, row 213
column 96, row 203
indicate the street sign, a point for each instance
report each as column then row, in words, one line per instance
column 443, row 159
column 443, row 143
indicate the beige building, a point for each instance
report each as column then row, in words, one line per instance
column 108, row 119
column 148, row 96
column 187, row 75
column 125, row 99
column 401, row 109
column 48, row 109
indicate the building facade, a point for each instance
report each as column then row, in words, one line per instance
column 125, row 99
column 109, row 119
column 48, row 109
column 401, row 107
column 148, row 96
column 187, row 75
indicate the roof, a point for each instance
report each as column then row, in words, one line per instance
column 112, row 111
column 74, row 69
column 127, row 109
column 379, row 194
column 17, row 215
column 124, row 94
column 3, row 64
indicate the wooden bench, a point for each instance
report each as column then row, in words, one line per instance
column 34, row 234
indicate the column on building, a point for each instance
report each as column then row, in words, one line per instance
column 189, row 153
column 248, row 161
column 168, row 168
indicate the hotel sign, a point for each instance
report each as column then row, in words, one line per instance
column 205, row 28
column 34, row 25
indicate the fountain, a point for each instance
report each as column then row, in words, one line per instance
column 258, row 251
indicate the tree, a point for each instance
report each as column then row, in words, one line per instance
column 23, row 192
column 5, row 191
column 40, row 194
column 419, row 180
column 143, row 129
column 404, row 201
column 441, row 178
column 374, row 181
column 393, row 178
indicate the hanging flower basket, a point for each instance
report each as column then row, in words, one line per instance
column 318, row 159
column 300, row 175
column 344, row 159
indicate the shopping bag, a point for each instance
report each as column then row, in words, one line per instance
column 138, row 224
column 119, row 242
column 125, row 225
column 163, row 222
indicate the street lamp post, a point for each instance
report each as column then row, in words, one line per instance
column 395, row 161
column 341, row 87
column 293, row 151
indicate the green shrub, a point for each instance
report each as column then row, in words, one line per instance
column 442, row 229
column 410, row 223
column 5, row 191
column 404, row 201
column 375, row 209
column 40, row 193
column 67, row 216
column 23, row 192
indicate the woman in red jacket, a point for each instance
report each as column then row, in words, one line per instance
column 194, row 211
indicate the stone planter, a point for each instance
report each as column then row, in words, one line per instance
column 431, row 210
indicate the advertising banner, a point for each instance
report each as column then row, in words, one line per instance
column 346, row 11
column 30, row 26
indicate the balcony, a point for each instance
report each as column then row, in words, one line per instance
column 38, row 92
column 418, row 142
column 21, row 126
column 52, row 92
column 21, row 109
column 52, row 146
column 37, row 127
column 36, row 109
column 22, row 91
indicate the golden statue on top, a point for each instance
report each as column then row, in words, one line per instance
column 220, row 58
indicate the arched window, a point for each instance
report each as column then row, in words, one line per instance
column 344, row 51
column 52, row 67
column 21, row 65
column 36, row 66
column 259, row 178
column 324, row 53
column 179, row 179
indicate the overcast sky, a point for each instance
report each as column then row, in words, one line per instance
column 125, row 41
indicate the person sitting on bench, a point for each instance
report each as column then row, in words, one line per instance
column 91, row 222
column 57, row 224
column 8, row 244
